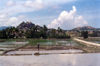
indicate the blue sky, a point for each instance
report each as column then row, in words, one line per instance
column 66, row 14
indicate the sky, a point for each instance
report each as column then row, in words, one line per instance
column 66, row 14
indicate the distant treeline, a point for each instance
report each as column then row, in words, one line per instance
column 30, row 30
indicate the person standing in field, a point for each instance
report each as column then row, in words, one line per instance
column 38, row 46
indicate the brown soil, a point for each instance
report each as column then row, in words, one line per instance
column 49, row 48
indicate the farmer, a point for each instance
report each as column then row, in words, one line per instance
column 38, row 46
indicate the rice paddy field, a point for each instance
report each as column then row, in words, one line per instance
column 46, row 46
column 52, row 52
column 9, row 47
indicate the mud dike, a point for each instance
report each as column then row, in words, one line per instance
column 89, row 47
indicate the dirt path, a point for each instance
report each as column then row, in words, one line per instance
column 86, row 42
column 89, row 47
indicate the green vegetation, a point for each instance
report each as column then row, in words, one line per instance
column 29, row 30
column 36, row 41
column 31, row 41
column 85, row 34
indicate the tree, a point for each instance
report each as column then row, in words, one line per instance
column 3, row 34
column 85, row 34
column 59, row 29
column 34, row 32
column 10, row 32
column 44, row 32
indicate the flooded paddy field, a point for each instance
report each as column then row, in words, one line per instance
column 92, row 39
column 44, row 52
column 48, row 47
column 95, row 41
column 90, row 45
column 90, row 59
column 10, row 45
column 51, row 53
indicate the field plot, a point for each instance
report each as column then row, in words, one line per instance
column 90, row 59
column 48, row 47
column 10, row 45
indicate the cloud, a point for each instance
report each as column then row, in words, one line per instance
column 9, row 12
column 37, row 4
column 68, row 20
column 16, row 7
column 56, row 2
column 24, row 6
column 10, row 3
column 2, row 16
column 11, row 21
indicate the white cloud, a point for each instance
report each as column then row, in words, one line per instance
column 11, row 21
column 56, row 2
column 68, row 20
column 10, row 3
column 2, row 16
column 14, row 21
column 37, row 4
column 23, row 6
column 14, row 7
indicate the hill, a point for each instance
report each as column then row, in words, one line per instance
column 85, row 28
column 25, row 25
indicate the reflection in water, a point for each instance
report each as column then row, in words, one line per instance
column 5, row 46
column 95, row 41
column 12, row 42
column 60, row 42
column 45, row 52
column 52, row 60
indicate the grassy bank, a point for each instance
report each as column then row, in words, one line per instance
column 33, row 41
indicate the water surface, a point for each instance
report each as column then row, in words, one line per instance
column 92, row 59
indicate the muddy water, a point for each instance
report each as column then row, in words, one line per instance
column 96, row 42
column 52, row 60
column 59, row 42
column 45, row 52
column 12, row 43
column 4, row 46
